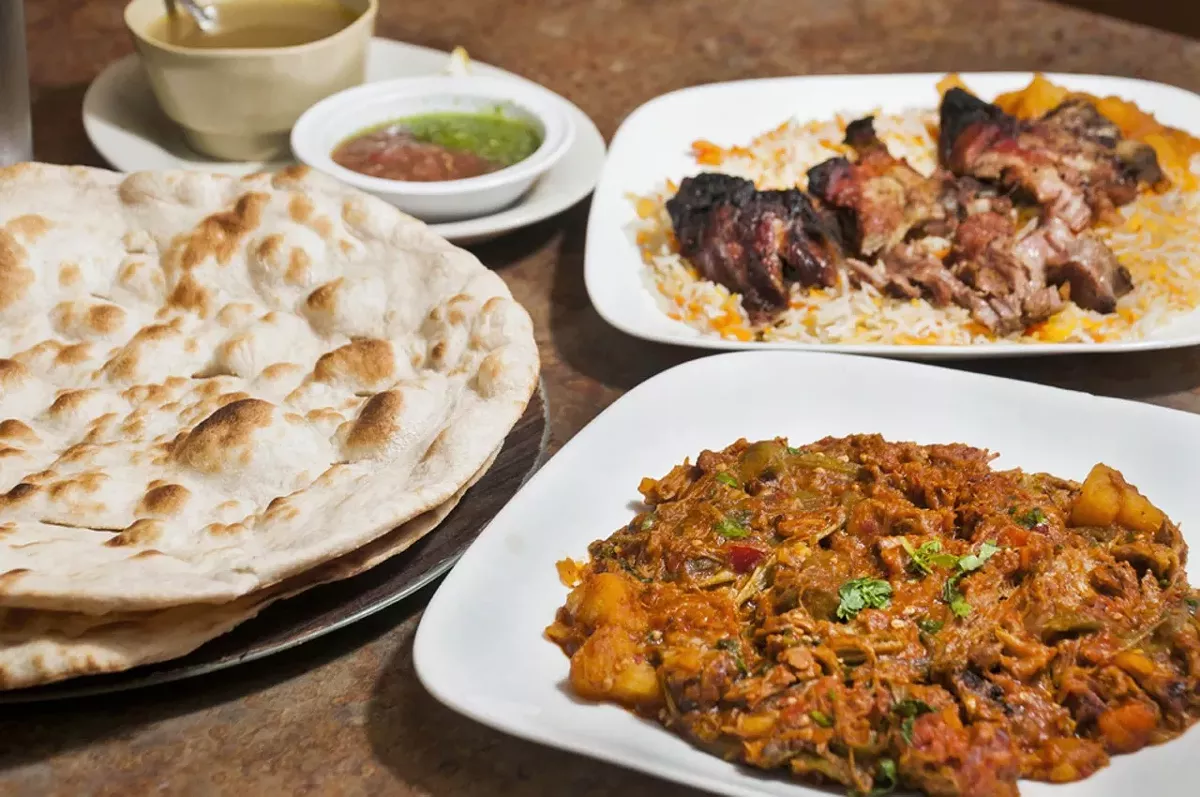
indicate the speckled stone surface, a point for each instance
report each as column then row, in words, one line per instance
column 345, row 714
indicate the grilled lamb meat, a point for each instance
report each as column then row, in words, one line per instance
column 951, row 237
column 980, row 140
column 1080, row 118
column 914, row 269
column 880, row 199
column 1018, row 275
column 1072, row 161
column 985, row 256
column 908, row 223
column 754, row 242
column 1081, row 260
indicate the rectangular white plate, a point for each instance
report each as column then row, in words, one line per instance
column 654, row 143
column 480, row 648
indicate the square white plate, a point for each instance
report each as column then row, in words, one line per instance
column 480, row 648
column 654, row 144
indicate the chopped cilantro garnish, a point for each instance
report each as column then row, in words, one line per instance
column 885, row 778
column 793, row 451
column 928, row 556
column 929, row 626
column 1031, row 518
column 821, row 718
column 732, row 646
column 951, row 594
column 726, row 478
column 910, row 709
column 1192, row 602
column 863, row 593
column 647, row 522
column 733, row 525
column 609, row 551
column 974, row 561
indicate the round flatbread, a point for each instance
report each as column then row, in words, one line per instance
column 211, row 384
column 40, row 647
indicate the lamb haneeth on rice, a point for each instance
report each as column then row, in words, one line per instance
column 971, row 228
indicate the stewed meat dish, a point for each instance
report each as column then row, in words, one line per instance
column 891, row 615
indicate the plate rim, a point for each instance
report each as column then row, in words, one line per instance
column 160, row 673
column 524, row 724
column 589, row 146
column 599, row 245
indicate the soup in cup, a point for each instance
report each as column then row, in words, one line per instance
column 236, row 92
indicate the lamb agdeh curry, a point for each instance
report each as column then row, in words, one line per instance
column 888, row 615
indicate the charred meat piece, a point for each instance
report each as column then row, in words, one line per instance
column 1072, row 161
column 1075, row 163
column 980, row 140
column 1080, row 118
column 960, row 113
column 908, row 222
column 880, row 199
column 1089, row 151
column 1081, row 260
column 753, row 242
column 986, row 256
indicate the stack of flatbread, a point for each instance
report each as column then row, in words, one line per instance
column 218, row 392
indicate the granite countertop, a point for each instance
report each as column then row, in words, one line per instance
column 345, row 714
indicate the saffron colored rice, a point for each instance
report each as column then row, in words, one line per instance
column 1158, row 241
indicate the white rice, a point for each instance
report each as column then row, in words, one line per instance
column 1159, row 242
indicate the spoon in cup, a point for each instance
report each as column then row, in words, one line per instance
column 205, row 16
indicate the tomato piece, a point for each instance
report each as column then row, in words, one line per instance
column 744, row 558
column 1013, row 537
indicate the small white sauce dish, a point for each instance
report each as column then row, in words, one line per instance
column 336, row 118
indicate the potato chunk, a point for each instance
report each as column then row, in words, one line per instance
column 606, row 599
column 1106, row 499
column 611, row 666
column 1138, row 513
column 1128, row 728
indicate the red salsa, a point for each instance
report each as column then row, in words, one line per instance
column 438, row 147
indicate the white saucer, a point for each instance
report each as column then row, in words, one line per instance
column 124, row 123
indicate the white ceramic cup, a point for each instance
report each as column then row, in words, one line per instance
column 240, row 103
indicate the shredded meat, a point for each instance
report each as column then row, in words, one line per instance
column 890, row 615
column 753, row 242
